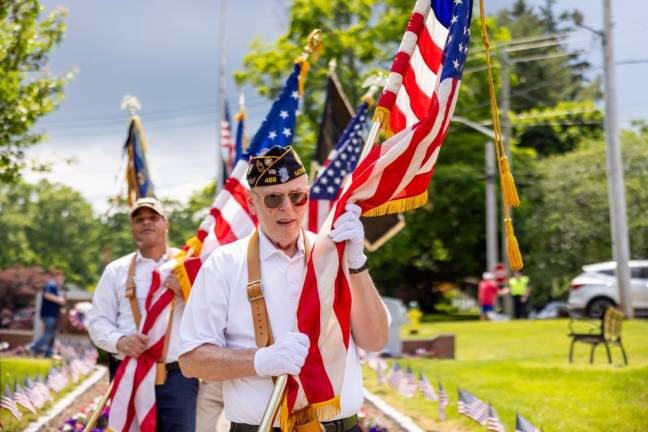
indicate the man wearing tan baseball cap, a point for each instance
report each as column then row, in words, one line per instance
column 119, row 303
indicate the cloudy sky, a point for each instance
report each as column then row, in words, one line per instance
column 166, row 53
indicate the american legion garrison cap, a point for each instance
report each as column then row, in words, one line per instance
column 278, row 165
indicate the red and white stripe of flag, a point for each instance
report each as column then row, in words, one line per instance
column 228, row 145
column 415, row 71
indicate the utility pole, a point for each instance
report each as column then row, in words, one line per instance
column 616, row 188
column 220, row 164
column 491, row 207
column 505, row 97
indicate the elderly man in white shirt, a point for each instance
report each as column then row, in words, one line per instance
column 112, row 325
column 218, row 336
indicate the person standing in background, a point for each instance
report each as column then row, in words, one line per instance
column 49, row 313
column 520, row 290
column 487, row 294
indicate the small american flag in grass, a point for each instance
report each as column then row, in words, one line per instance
column 524, row 425
column 426, row 387
column 472, row 407
column 443, row 402
column 7, row 402
column 494, row 424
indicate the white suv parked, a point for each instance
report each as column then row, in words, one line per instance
column 596, row 288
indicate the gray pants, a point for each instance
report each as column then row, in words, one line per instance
column 210, row 406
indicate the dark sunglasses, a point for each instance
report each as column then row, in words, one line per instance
column 274, row 200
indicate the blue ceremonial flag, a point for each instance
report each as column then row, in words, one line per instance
column 278, row 128
column 138, row 175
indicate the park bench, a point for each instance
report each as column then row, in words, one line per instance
column 606, row 331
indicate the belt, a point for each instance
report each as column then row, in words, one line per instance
column 170, row 367
column 173, row 366
column 342, row 425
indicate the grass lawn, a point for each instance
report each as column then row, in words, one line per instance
column 522, row 366
column 14, row 369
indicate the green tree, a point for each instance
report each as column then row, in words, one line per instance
column 49, row 225
column 546, row 73
column 565, row 217
column 27, row 90
column 361, row 35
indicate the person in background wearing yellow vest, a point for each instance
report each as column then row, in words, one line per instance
column 520, row 290
column 112, row 319
column 219, row 339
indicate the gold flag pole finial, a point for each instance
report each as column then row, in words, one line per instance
column 312, row 50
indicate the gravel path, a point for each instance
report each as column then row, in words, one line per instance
column 79, row 404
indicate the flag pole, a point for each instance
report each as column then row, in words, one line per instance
column 97, row 412
column 373, row 82
column 313, row 47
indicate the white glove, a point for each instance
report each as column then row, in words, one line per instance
column 285, row 357
column 348, row 227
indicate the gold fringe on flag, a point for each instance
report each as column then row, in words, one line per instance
column 183, row 278
column 507, row 183
column 308, row 418
column 398, row 205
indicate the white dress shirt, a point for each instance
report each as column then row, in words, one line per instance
column 111, row 316
column 219, row 313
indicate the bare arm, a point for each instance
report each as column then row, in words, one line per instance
column 368, row 316
column 217, row 364
column 54, row 298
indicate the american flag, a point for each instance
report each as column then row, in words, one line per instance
column 22, row 398
column 7, row 402
column 35, row 396
column 400, row 168
column 278, row 128
column 380, row 371
column 56, row 380
column 341, row 162
column 524, row 425
column 494, row 423
column 229, row 219
column 472, row 407
column 426, row 387
column 409, row 385
column 396, row 376
column 443, row 402
column 227, row 144
column 42, row 388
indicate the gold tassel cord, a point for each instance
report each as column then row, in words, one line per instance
column 512, row 247
column 507, row 183
column 510, row 194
